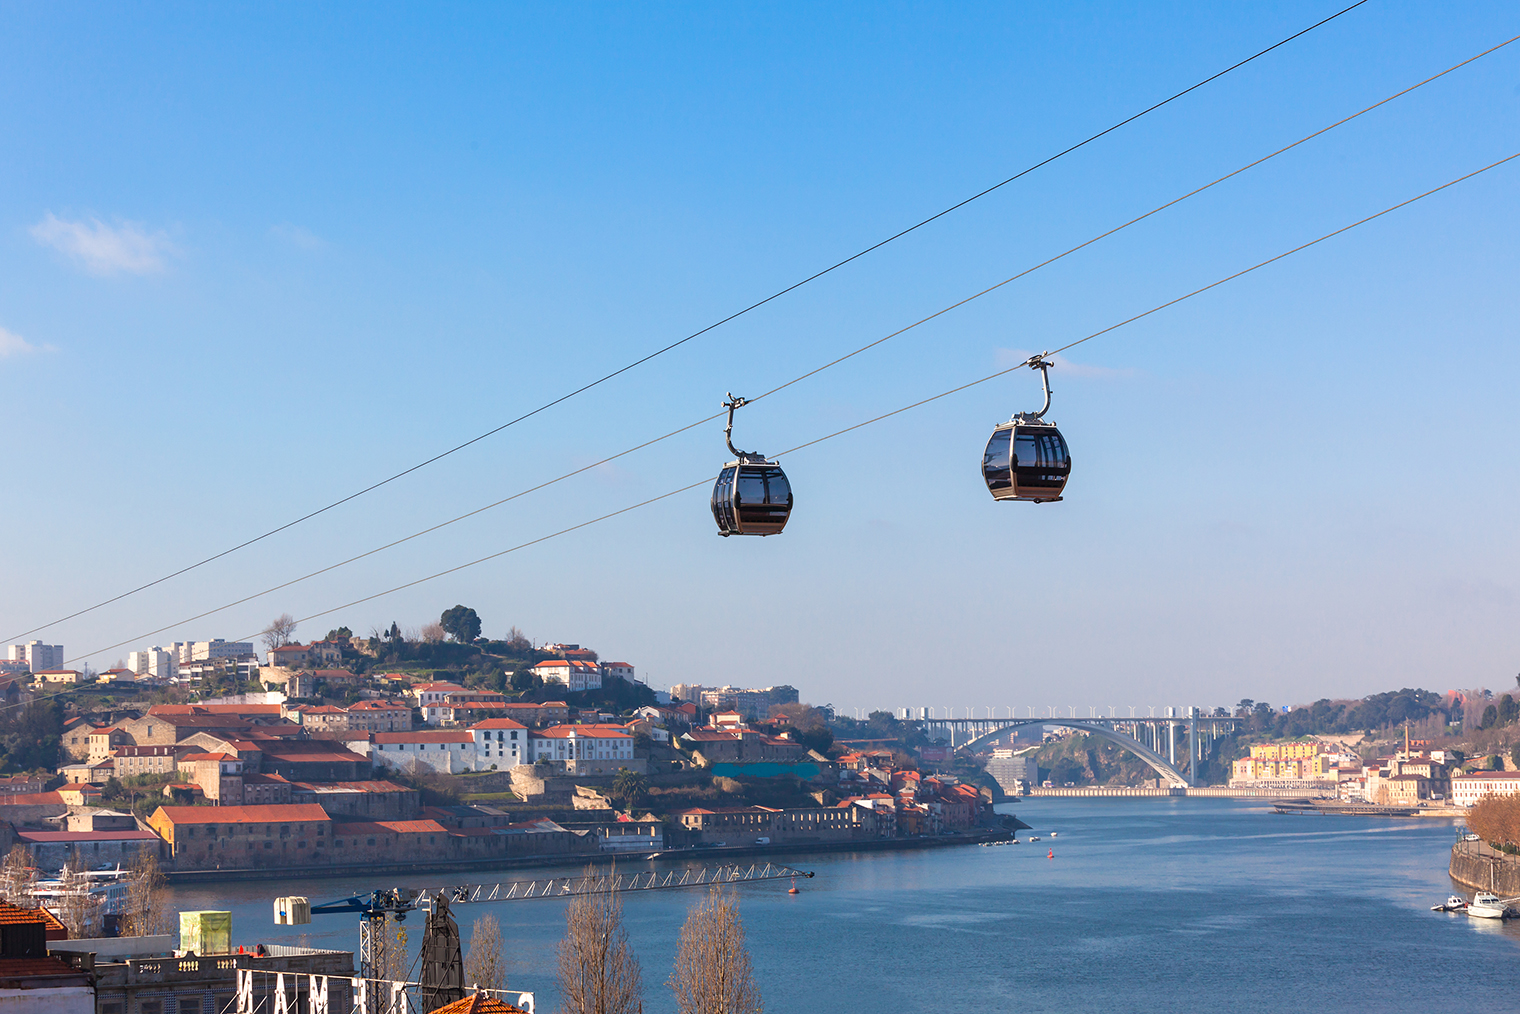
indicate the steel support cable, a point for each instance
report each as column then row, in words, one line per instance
column 676, row 344
column 835, row 362
column 850, row 429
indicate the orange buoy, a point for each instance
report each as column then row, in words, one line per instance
column 792, row 890
column 1051, row 854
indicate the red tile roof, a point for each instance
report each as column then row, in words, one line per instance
column 13, row 915
column 498, row 723
column 479, row 1003
column 31, row 799
column 425, row 736
column 270, row 813
column 393, row 826
column 47, row 836
column 214, row 709
column 208, row 757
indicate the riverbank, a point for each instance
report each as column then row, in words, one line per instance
column 1127, row 792
column 705, row 856
column 1478, row 867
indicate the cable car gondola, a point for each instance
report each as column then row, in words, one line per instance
column 1026, row 458
column 751, row 496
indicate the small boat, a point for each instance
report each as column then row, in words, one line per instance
column 1052, row 834
column 1034, row 837
column 1453, row 903
column 1013, row 841
column 1487, row 906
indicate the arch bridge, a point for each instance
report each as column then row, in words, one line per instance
column 1143, row 737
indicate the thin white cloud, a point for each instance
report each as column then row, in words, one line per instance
column 294, row 234
column 12, row 344
column 1062, row 366
column 103, row 249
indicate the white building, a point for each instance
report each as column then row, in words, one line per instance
column 447, row 751
column 36, row 655
column 572, row 673
column 500, row 743
column 1468, row 789
column 584, row 749
column 155, row 662
column 205, row 651
column 617, row 671
column 433, row 693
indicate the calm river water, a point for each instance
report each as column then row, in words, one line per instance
column 1153, row 905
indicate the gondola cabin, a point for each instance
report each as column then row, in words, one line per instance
column 751, row 498
column 1026, row 461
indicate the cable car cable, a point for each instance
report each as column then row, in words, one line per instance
column 838, row 360
column 860, row 425
column 695, row 334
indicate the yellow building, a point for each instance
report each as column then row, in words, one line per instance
column 1302, row 760
column 1299, row 750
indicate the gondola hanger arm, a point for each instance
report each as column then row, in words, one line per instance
column 1040, row 361
column 728, row 430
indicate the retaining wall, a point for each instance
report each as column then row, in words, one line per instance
column 1479, row 868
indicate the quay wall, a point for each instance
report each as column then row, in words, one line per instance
column 1479, row 868
column 1214, row 791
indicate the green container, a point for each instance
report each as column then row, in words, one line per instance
column 205, row 932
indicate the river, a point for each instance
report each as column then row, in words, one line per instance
column 1155, row 905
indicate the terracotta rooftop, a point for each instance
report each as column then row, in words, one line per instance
column 425, row 736
column 272, row 813
column 479, row 1003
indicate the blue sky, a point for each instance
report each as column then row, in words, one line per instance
column 253, row 258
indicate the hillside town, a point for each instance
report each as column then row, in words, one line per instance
column 323, row 757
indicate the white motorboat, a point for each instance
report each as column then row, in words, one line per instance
column 1453, row 903
column 1034, row 837
column 1487, row 906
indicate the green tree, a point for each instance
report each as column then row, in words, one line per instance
column 628, row 787
column 1509, row 710
column 30, row 737
column 461, row 624
column 522, row 679
column 1490, row 718
column 1514, row 755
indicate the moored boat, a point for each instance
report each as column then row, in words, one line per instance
column 1487, row 906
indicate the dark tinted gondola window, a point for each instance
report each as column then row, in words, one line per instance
column 995, row 461
column 1040, row 450
column 778, row 490
column 751, row 486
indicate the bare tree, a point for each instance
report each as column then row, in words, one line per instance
column 146, row 913
column 279, row 631
column 598, row 973
column 712, row 973
column 433, row 633
column 17, row 877
column 391, row 953
column 485, row 965
column 78, row 909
